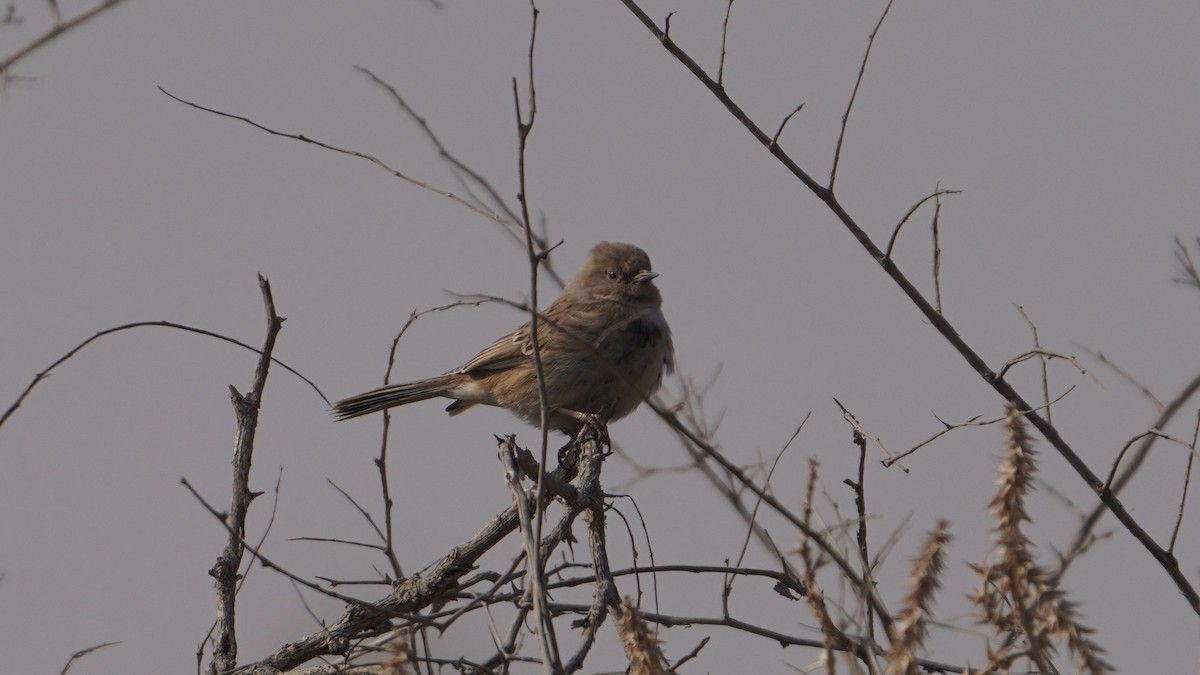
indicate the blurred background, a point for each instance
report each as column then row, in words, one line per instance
column 1071, row 129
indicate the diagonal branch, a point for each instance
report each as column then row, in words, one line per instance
column 939, row 322
column 56, row 30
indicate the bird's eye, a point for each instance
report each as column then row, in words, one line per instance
column 612, row 274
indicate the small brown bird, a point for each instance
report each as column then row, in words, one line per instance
column 604, row 345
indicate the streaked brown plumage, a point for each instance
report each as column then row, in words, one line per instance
column 604, row 344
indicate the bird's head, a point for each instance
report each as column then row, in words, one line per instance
column 619, row 272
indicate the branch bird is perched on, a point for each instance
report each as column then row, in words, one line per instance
column 604, row 345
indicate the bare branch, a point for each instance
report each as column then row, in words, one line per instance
column 409, row 596
column 245, row 573
column 1187, row 479
column 84, row 652
column 1046, row 353
column 937, row 253
column 859, row 430
column 225, row 571
column 1083, row 537
column 913, row 209
column 139, row 324
column 786, row 119
column 360, row 155
column 56, row 30
column 862, row 69
column 1125, row 375
column 938, row 321
column 724, row 37
column 511, row 217
column 860, row 506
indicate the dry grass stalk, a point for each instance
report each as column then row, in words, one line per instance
column 912, row 622
column 642, row 648
column 1016, row 597
column 401, row 656
column 815, row 596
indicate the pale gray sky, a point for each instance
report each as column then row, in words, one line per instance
column 1072, row 127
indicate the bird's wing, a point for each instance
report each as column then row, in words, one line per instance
column 508, row 351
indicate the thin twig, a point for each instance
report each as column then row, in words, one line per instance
column 786, row 119
column 913, row 209
column 937, row 253
column 973, row 422
column 487, row 213
column 862, row 69
column 1042, row 359
column 361, row 511
column 724, row 36
column 1125, row 375
column 1083, row 537
column 758, row 501
column 737, row 474
column 1047, row 354
column 462, row 168
column 380, row 609
column 551, row 660
column 1157, row 433
column 54, row 31
column 888, row 459
column 84, row 652
column 1187, row 479
column 139, row 324
column 860, row 507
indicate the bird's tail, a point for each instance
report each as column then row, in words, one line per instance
column 391, row 396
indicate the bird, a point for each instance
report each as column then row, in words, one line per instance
column 604, row 345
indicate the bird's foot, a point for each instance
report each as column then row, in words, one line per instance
column 590, row 425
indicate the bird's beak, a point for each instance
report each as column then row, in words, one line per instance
column 644, row 275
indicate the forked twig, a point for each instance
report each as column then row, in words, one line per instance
column 487, row 213
column 913, row 209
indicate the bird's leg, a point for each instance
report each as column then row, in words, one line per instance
column 590, row 425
